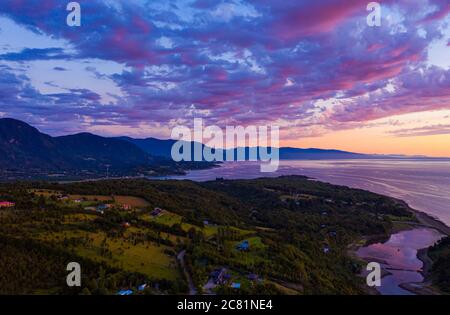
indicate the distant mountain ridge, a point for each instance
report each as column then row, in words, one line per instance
column 288, row 153
column 22, row 144
column 25, row 149
column 159, row 147
column 156, row 147
column 86, row 146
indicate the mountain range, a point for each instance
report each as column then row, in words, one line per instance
column 25, row 150
column 163, row 148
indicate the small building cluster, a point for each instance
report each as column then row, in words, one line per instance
column 63, row 197
column 126, row 207
column 126, row 225
column 157, row 212
column 220, row 276
column 100, row 208
column 243, row 246
column 130, row 292
column 223, row 277
column 104, row 206
column 236, row 285
column 6, row 204
column 253, row 277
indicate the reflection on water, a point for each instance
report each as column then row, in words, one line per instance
column 399, row 256
column 423, row 184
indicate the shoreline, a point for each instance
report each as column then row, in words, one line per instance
column 426, row 220
column 424, row 287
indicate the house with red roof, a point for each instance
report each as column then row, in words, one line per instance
column 6, row 204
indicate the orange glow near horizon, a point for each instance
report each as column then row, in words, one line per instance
column 381, row 136
column 391, row 135
column 360, row 142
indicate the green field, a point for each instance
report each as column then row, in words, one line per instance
column 148, row 258
column 169, row 218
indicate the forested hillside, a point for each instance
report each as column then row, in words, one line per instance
column 286, row 235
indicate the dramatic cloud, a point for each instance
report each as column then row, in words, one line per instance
column 307, row 65
column 423, row 131
column 36, row 54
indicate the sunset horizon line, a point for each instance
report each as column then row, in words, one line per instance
column 285, row 146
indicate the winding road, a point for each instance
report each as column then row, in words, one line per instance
column 180, row 257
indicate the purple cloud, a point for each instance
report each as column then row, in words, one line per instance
column 423, row 131
column 236, row 62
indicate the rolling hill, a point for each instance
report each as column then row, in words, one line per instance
column 24, row 148
column 159, row 147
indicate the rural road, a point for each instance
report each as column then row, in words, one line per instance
column 180, row 257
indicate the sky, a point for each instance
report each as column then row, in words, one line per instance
column 314, row 68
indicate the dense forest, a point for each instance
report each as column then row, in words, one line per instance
column 440, row 271
column 297, row 234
